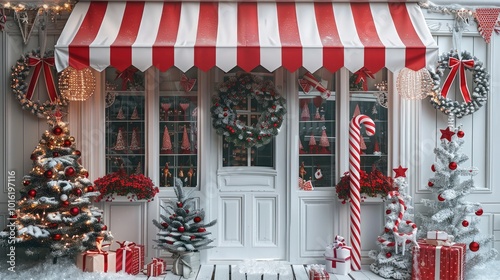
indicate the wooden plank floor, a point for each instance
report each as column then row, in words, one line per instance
column 296, row 272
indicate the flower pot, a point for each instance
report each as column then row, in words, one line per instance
column 186, row 264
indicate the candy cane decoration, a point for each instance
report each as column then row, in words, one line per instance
column 354, row 185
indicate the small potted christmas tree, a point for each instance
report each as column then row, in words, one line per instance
column 183, row 232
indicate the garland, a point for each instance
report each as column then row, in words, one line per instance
column 472, row 101
column 24, row 91
column 234, row 93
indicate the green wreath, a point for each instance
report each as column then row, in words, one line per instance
column 232, row 93
column 20, row 72
column 478, row 96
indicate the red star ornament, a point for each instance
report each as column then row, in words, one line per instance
column 446, row 134
column 400, row 172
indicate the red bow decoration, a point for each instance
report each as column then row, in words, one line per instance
column 186, row 83
column 3, row 19
column 455, row 64
column 127, row 76
column 46, row 63
column 362, row 75
column 308, row 81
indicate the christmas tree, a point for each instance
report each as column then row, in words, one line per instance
column 394, row 259
column 182, row 229
column 185, row 146
column 120, row 141
column 323, row 142
column 312, row 144
column 451, row 213
column 120, row 115
column 134, row 142
column 54, row 211
column 305, row 115
column 166, row 146
column 135, row 114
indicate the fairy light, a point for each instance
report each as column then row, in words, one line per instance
column 77, row 85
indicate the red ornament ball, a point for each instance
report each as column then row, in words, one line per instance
column 69, row 171
column 77, row 152
column 85, row 173
column 192, row 237
column 32, row 193
column 26, row 182
column 78, row 192
column 202, row 229
column 465, row 223
column 460, row 134
column 197, row 219
column 67, row 143
column 181, row 229
column 53, row 225
column 179, row 204
column 187, row 211
column 33, row 157
column 55, row 154
column 430, row 184
column 440, row 198
column 165, row 225
column 57, row 237
column 386, row 230
column 65, row 203
column 453, row 165
column 388, row 211
column 90, row 189
column 48, row 174
column 388, row 254
column 74, row 211
column 57, row 130
column 104, row 227
column 479, row 212
column 433, row 168
column 474, row 246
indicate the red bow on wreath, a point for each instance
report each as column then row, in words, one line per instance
column 362, row 75
column 187, row 83
column 455, row 64
column 127, row 76
column 38, row 63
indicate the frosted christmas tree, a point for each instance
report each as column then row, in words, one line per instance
column 305, row 116
column 120, row 141
column 450, row 212
column 120, row 115
column 135, row 114
column 312, row 144
column 54, row 211
column 134, row 142
column 183, row 227
column 323, row 142
column 166, row 146
column 185, row 145
column 394, row 259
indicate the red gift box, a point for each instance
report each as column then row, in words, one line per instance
column 156, row 268
column 96, row 261
column 438, row 262
column 130, row 257
column 317, row 272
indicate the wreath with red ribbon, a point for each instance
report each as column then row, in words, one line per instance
column 472, row 101
column 24, row 92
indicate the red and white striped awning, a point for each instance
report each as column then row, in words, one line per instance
column 246, row 34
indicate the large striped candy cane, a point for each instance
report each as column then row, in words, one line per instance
column 354, row 184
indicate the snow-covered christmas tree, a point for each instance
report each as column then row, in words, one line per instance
column 54, row 210
column 450, row 211
column 394, row 259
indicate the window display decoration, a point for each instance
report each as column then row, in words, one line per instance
column 77, row 85
column 134, row 186
column 186, row 83
column 472, row 102
column 309, row 82
column 24, row 92
column 414, row 84
column 235, row 91
column 360, row 78
column 373, row 184
column 130, row 79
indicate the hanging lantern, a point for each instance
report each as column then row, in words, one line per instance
column 77, row 85
column 414, row 84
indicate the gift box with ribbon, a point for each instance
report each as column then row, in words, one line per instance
column 338, row 257
column 156, row 267
column 437, row 235
column 130, row 257
column 443, row 262
column 96, row 261
column 317, row 272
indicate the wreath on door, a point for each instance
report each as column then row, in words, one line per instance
column 233, row 95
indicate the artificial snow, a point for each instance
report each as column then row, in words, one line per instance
column 263, row 267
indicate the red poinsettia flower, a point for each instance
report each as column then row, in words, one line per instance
column 372, row 184
column 134, row 186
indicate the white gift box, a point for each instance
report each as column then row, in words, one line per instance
column 338, row 260
column 437, row 235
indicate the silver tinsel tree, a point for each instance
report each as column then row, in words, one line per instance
column 450, row 212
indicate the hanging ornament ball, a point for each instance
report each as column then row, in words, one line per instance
column 465, row 223
column 33, row 157
column 84, row 173
column 187, row 211
column 479, row 212
column 65, row 203
column 433, row 168
column 57, row 130
column 90, row 189
column 197, row 219
column 453, row 165
column 63, row 197
column 69, row 171
column 165, row 225
column 53, row 225
column 386, row 230
column 474, row 246
column 77, row 152
column 388, row 254
column 460, row 134
column 104, row 227
column 48, row 174
column 440, row 198
column 181, row 229
column 57, row 237
column 202, row 229
column 179, row 204
column 74, row 211
column 192, row 237
column 32, row 193
column 67, row 143
column 26, row 182
column 388, row 211
column 78, row 192
column 55, row 154
column 430, row 184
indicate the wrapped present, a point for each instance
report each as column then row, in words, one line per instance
column 338, row 257
column 438, row 262
column 130, row 257
column 96, row 261
column 156, row 268
column 437, row 235
column 317, row 272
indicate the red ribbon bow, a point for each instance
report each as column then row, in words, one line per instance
column 97, row 252
column 455, row 64
column 186, row 83
column 127, row 76
column 309, row 81
column 362, row 75
column 46, row 63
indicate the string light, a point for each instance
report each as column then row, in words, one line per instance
column 77, row 85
